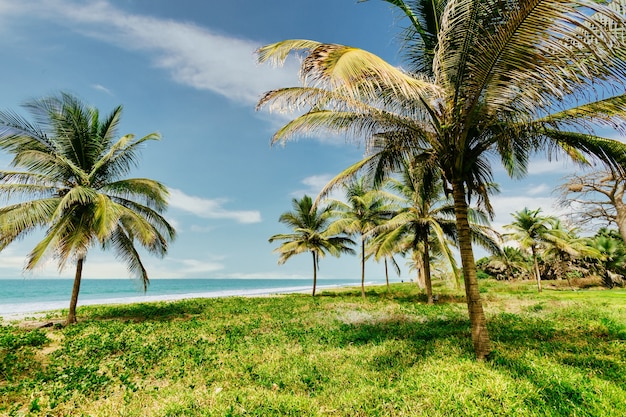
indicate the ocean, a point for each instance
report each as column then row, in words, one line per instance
column 33, row 295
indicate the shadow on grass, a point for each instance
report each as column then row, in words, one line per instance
column 378, row 294
column 139, row 312
column 565, row 364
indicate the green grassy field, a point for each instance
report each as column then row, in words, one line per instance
column 560, row 353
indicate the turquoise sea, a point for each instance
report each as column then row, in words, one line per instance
column 32, row 295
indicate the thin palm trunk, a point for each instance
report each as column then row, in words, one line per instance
column 314, row 272
column 536, row 266
column 363, row 267
column 478, row 322
column 427, row 282
column 387, row 275
column 71, row 315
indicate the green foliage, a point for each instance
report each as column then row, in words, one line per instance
column 555, row 353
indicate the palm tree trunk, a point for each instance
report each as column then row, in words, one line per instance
column 314, row 272
column 71, row 315
column 363, row 266
column 478, row 322
column 387, row 275
column 536, row 266
column 427, row 282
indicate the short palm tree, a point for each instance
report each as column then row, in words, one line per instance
column 70, row 180
column 537, row 233
column 310, row 234
column 508, row 79
column 365, row 209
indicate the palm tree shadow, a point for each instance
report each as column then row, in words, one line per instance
column 526, row 347
column 143, row 312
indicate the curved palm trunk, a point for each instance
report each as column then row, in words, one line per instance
column 71, row 315
column 480, row 336
column 536, row 266
column 363, row 267
column 314, row 272
column 426, row 268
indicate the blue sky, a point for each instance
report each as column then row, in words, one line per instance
column 187, row 70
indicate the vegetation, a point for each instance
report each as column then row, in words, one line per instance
column 506, row 79
column 310, row 234
column 554, row 354
column 70, row 181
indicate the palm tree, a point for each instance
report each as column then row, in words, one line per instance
column 69, row 179
column 546, row 234
column 311, row 234
column 378, row 250
column 509, row 79
column 365, row 209
column 612, row 259
column 425, row 220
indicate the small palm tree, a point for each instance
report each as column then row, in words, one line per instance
column 366, row 208
column 69, row 179
column 310, row 234
column 534, row 232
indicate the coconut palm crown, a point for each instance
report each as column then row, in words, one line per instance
column 69, row 179
column 311, row 233
column 509, row 79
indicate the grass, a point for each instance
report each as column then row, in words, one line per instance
column 559, row 353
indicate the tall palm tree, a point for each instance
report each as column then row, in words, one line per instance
column 509, row 79
column 311, row 234
column 425, row 221
column 425, row 224
column 70, row 180
column 365, row 209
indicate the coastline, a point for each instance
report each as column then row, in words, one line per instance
column 47, row 309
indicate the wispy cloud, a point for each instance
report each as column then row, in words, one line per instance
column 102, row 88
column 210, row 208
column 504, row 207
column 314, row 184
column 193, row 55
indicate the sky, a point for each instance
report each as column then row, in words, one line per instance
column 187, row 70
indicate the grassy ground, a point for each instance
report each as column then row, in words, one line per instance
column 560, row 353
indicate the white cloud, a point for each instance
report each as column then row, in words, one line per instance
column 314, row 184
column 194, row 56
column 102, row 88
column 504, row 207
column 210, row 208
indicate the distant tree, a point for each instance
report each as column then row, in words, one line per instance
column 379, row 251
column 70, row 181
column 611, row 265
column 511, row 263
column 365, row 208
column 310, row 234
column 597, row 197
column 546, row 237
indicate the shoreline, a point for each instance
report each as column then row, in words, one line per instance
column 49, row 308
